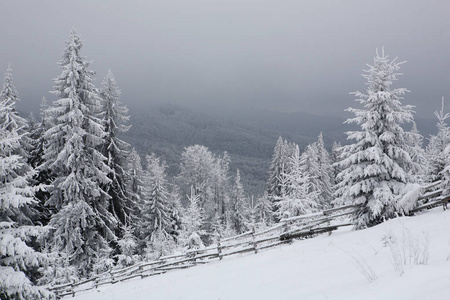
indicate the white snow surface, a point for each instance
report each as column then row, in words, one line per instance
column 324, row 267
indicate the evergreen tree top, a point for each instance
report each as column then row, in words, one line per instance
column 9, row 92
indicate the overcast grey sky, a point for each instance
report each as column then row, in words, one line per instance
column 289, row 55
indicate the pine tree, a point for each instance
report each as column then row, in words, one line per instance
column 134, row 182
column 279, row 167
column 414, row 146
column 299, row 198
column 10, row 118
column 17, row 259
column 36, row 160
column 436, row 147
column 15, row 127
column 309, row 165
column 264, row 211
column 374, row 166
column 192, row 218
column 156, row 213
column 128, row 248
column 221, row 194
column 324, row 173
column 114, row 114
column 82, row 224
column 176, row 212
column 239, row 209
column 335, row 154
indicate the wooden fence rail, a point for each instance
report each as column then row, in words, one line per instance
column 288, row 229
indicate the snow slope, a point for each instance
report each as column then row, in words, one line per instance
column 325, row 267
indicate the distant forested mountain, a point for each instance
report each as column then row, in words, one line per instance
column 248, row 136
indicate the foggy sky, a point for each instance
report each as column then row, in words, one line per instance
column 284, row 55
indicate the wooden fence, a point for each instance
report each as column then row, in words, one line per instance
column 288, row 229
column 251, row 241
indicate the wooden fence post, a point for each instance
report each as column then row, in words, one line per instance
column 254, row 240
column 73, row 289
column 219, row 249
column 112, row 276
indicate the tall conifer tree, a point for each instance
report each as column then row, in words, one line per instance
column 82, row 224
column 114, row 115
column 374, row 167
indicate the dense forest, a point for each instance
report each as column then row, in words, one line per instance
column 78, row 199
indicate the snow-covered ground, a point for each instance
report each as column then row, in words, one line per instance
column 339, row 266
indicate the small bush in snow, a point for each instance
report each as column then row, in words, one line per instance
column 408, row 249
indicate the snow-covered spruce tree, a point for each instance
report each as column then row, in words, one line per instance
column 156, row 211
column 36, row 159
column 414, row 146
column 278, row 168
column 134, row 181
column 436, row 147
column 176, row 212
column 221, row 194
column 264, row 212
column 18, row 261
column 325, row 171
column 37, row 135
column 114, row 115
column 10, row 118
column 309, row 165
column 128, row 249
column 335, row 154
column 445, row 174
column 438, row 152
column 374, row 166
column 299, row 198
column 239, row 207
column 15, row 127
column 192, row 219
column 82, row 223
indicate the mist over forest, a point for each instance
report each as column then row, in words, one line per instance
column 248, row 135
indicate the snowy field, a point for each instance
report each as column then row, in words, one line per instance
column 405, row 258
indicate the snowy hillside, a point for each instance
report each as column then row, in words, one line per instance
column 404, row 258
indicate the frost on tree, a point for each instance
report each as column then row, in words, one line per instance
column 239, row 209
column 10, row 118
column 36, row 160
column 439, row 153
column 114, row 115
column 192, row 219
column 414, row 146
column 221, row 188
column 82, row 223
column 279, row 166
column 206, row 174
column 18, row 261
column 264, row 212
column 298, row 197
column 310, row 167
column 435, row 151
column 374, row 166
column 335, row 154
column 134, row 181
column 325, row 170
column 445, row 185
column 156, row 224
